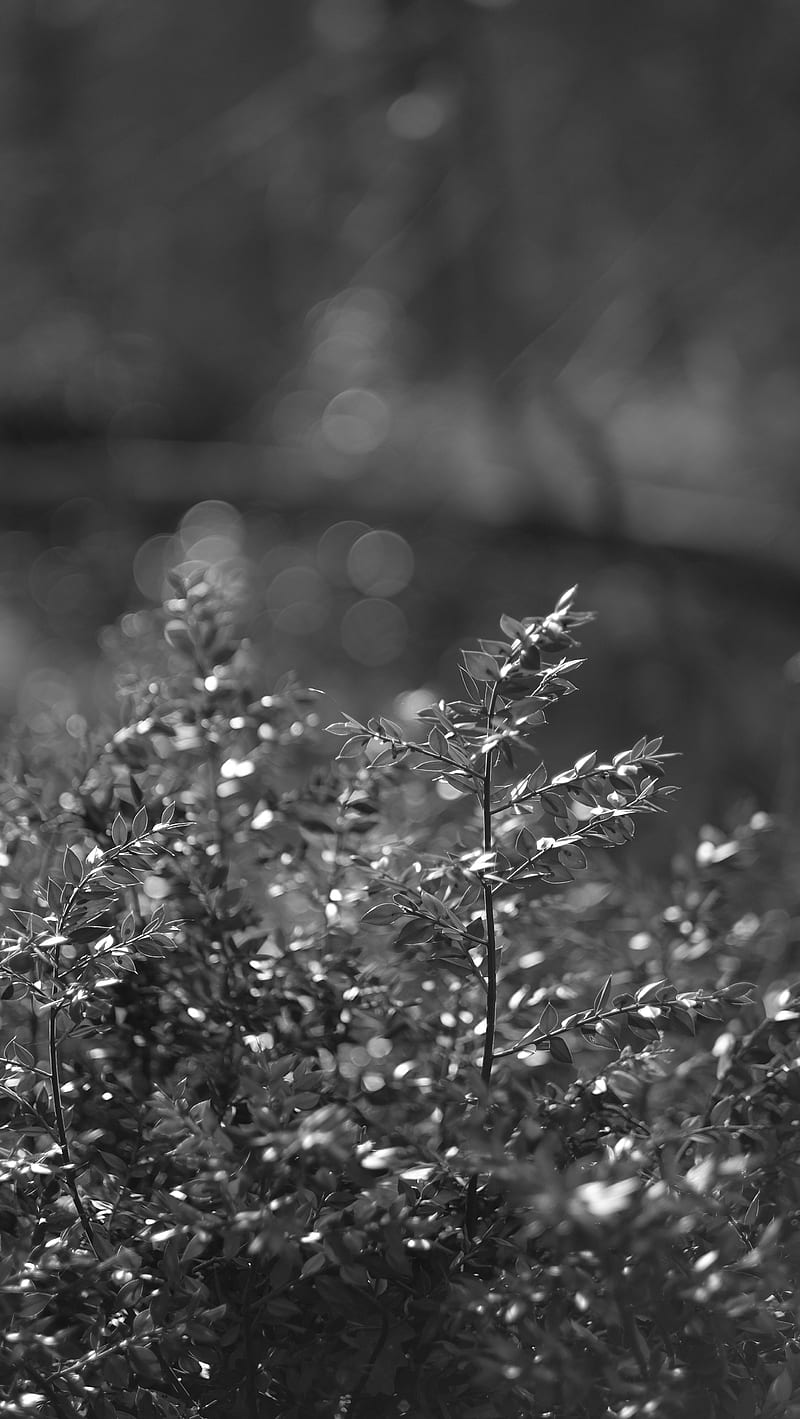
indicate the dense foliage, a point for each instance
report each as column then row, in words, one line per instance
column 364, row 1084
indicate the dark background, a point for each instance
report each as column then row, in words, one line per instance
column 517, row 282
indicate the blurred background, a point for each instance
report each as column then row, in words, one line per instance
column 423, row 310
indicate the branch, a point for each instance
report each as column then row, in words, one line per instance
column 491, row 954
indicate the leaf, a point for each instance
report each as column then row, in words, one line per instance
column 382, row 914
column 553, row 872
column 415, row 932
column 140, row 823
column 145, row 1364
column 531, row 719
column 119, row 830
column 642, row 1025
column 553, row 804
column 512, row 628
column 751, row 1215
column 437, row 742
column 72, row 866
column 196, row 1244
column 480, row 665
column 573, row 857
column 560, row 1050
column 779, row 1393
column 742, row 992
column 650, row 992
column 602, row 997
column 708, row 1008
column 177, row 635
column 548, row 1019
column 537, row 779
column 583, row 794
column 353, row 748
column 343, row 728
column 314, row 1265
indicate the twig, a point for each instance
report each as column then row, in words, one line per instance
column 491, row 955
column 58, row 1107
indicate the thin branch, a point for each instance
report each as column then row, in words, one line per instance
column 491, row 955
column 488, row 902
column 58, row 1107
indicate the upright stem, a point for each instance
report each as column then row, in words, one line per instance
column 58, row 1106
column 221, row 839
column 491, row 955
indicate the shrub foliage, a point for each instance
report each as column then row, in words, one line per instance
column 363, row 1083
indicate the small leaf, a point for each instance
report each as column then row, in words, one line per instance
column 560, row 1050
column 573, row 857
column 779, row 1393
column 614, row 832
column 548, row 1018
column 684, row 1017
column 72, row 866
column 751, row 1215
column 742, row 992
column 195, row 1246
column 382, row 914
column 414, row 932
column 140, row 823
column 512, row 628
column 353, row 748
column 314, row 1265
column 602, row 996
column 437, row 742
column 480, row 665
column 537, row 779
column 650, row 992
column 553, row 872
column 119, row 830
column 708, row 1008
column 553, row 804
column 642, row 1025
column 177, row 635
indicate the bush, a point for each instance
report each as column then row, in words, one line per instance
column 341, row 1086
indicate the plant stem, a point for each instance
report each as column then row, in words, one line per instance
column 491, row 954
column 58, row 1107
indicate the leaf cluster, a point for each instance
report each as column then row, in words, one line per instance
column 363, row 1083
